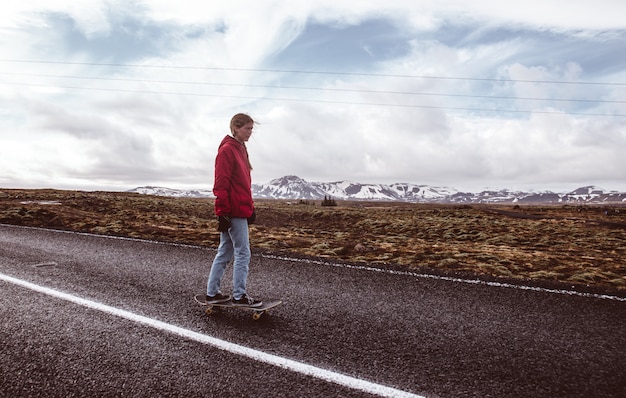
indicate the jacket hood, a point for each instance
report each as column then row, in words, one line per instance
column 229, row 140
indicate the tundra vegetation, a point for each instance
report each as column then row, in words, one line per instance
column 564, row 245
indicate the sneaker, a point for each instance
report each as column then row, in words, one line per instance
column 246, row 301
column 217, row 299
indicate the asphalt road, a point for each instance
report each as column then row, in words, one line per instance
column 84, row 315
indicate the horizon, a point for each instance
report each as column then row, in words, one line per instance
column 209, row 187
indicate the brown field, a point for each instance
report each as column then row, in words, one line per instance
column 561, row 245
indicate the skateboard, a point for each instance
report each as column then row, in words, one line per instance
column 257, row 312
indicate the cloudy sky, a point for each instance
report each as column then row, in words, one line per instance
column 471, row 95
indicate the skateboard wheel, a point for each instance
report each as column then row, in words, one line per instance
column 208, row 311
column 257, row 315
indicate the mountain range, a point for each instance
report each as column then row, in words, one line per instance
column 296, row 188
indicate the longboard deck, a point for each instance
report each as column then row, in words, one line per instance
column 256, row 311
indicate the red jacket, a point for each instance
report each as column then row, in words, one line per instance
column 232, row 186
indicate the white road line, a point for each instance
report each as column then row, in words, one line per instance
column 294, row 366
column 46, row 264
column 450, row 278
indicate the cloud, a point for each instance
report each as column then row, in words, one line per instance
column 117, row 94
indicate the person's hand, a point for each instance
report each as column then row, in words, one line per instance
column 252, row 218
column 223, row 223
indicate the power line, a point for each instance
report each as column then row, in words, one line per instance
column 314, row 72
column 319, row 88
column 578, row 100
column 317, row 101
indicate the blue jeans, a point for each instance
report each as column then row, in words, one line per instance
column 234, row 243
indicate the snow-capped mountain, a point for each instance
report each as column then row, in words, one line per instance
column 422, row 193
column 589, row 194
column 288, row 187
column 177, row 193
column 293, row 187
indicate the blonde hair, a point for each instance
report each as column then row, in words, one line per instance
column 240, row 120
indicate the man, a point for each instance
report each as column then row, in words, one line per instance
column 234, row 208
